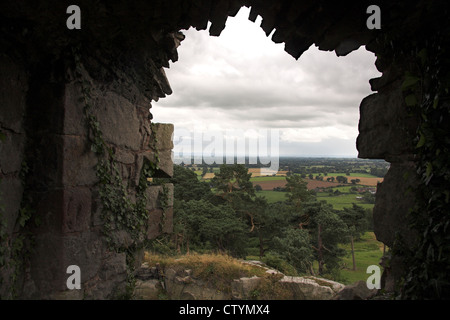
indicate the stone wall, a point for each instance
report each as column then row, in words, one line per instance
column 46, row 131
column 387, row 131
column 120, row 54
column 13, row 91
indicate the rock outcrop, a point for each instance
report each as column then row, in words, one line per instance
column 356, row 291
column 180, row 284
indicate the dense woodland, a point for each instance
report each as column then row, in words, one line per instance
column 226, row 214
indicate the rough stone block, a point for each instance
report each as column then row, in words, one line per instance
column 124, row 156
column 165, row 164
column 76, row 215
column 393, row 203
column 356, row 291
column 11, row 153
column 11, row 190
column 153, row 195
column 241, row 288
column 55, row 250
column 164, row 135
column 199, row 14
column 218, row 16
column 113, row 266
column 307, row 289
column 119, row 121
column 110, row 282
column 74, row 118
column 96, row 212
column 390, row 74
column 157, row 225
column 168, row 223
column 48, row 269
column 170, row 191
column 13, row 94
column 122, row 237
column 384, row 125
column 148, row 290
column 48, row 212
column 180, row 286
column 84, row 250
column 68, row 295
column 78, row 162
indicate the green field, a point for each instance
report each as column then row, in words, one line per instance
column 338, row 202
column 368, row 251
column 270, row 178
column 353, row 174
column 331, row 174
column 341, row 201
column 272, row 196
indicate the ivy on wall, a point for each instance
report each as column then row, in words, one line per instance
column 164, row 204
column 119, row 211
column 427, row 94
column 16, row 248
column 3, row 232
column 426, row 86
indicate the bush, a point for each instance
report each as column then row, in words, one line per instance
column 273, row 260
column 295, row 248
column 161, row 245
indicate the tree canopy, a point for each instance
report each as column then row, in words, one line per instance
column 226, row 213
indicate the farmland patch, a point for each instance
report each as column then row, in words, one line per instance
column 312, row 184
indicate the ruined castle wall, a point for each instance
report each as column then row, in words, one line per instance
column 46, row 157
column 13, row 90
column 45, row 127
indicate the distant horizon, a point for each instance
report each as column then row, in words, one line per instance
column 303, row 156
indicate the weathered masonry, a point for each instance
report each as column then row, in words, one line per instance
column 78, row 145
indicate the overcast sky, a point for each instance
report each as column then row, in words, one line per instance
column 242, row 80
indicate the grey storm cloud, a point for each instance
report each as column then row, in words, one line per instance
column 231, row 95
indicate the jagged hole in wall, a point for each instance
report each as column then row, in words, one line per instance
column 243, row 80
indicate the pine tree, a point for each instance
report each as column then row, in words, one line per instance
column 356, row 220
column 326, row 230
